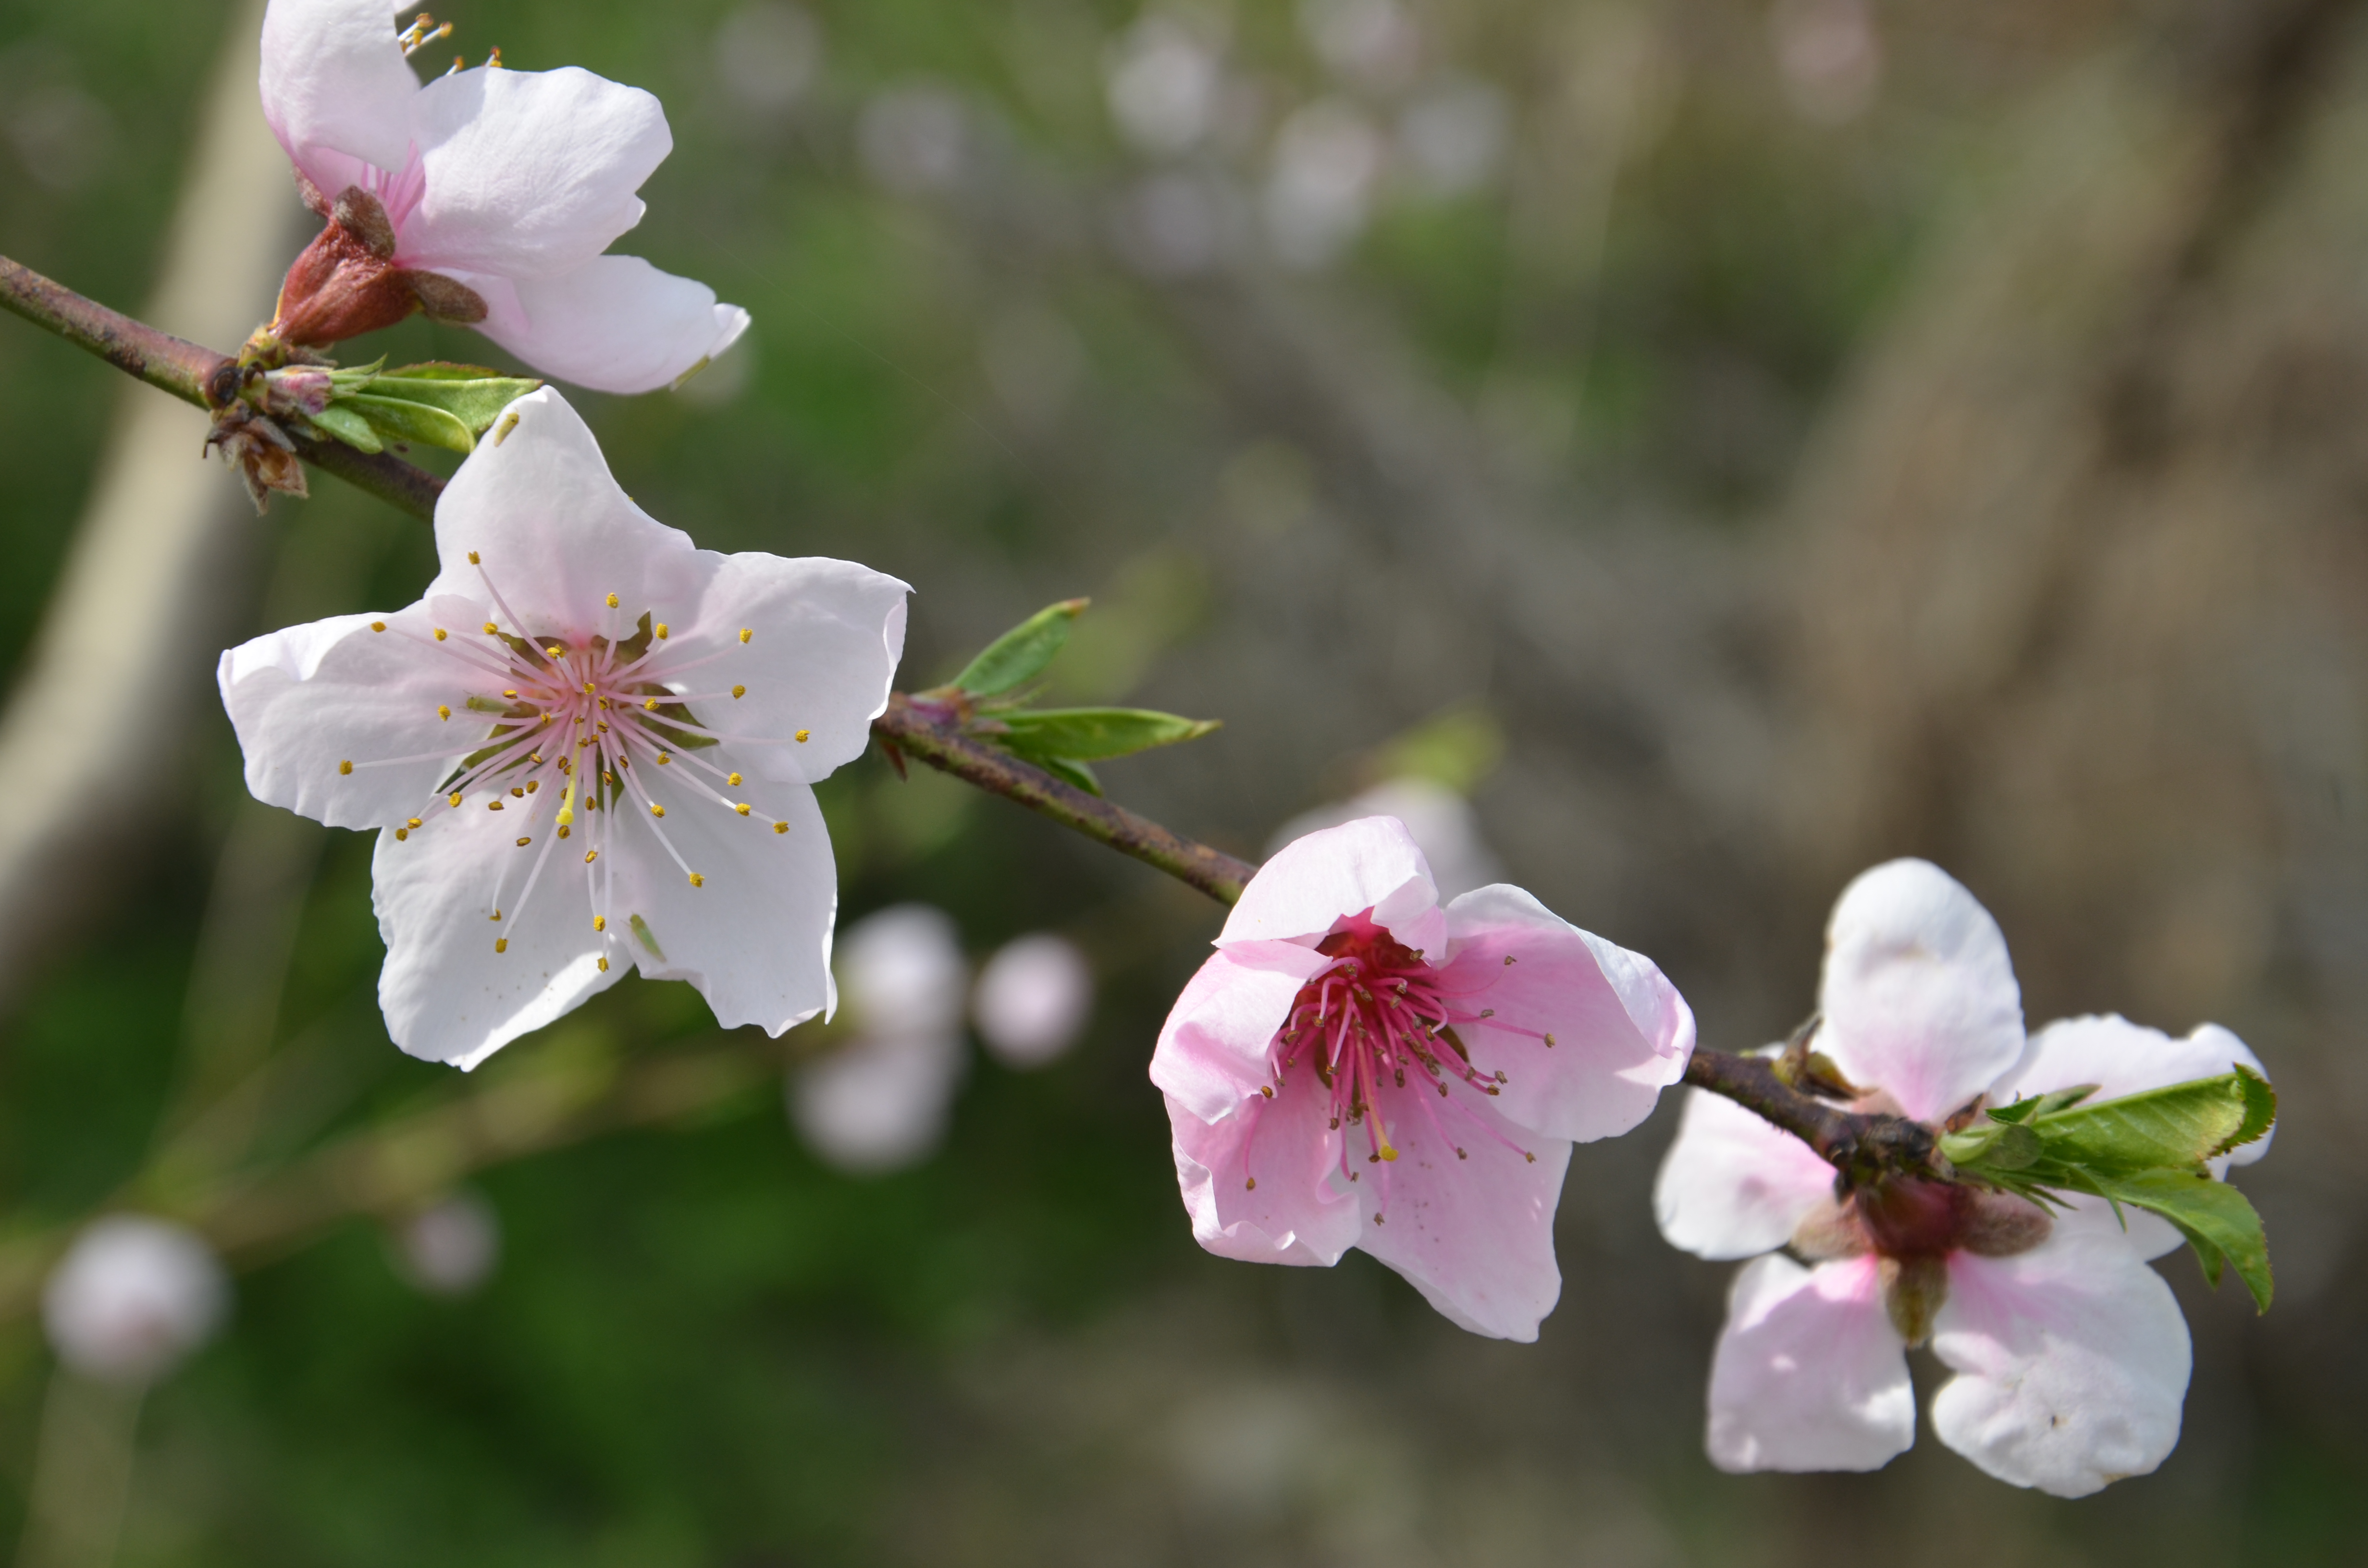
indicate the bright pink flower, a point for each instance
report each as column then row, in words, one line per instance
column 2070, row 1353
column 485, row 196
column 1357, row 1066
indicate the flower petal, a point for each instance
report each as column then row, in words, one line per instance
column 335, row 82
column 614, row 324
column 1372, row 863
column 1462, row 1212
column 1291, row 1214
column 556, row 535
column 1734, row 1186
column 1621, row 1031
column 529, row 173
column 310, row 698
column 754, row 936
column 448, row 996
column 1917, row 996
column 1215, row 1049
column 2073, row 1362
column 828, row 636
column 1809, row 1373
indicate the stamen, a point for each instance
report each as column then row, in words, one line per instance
column 443, row 712
column 599, row 922
column 803, row 735
column 780, row 827
column 733, row 779
column 604, row 966
column 746, row 633
column 423, row 31
column 378, row 626
column 524, row 842
column 738, row 692
column 662, row 631
column 441, row 634
column 348, row 766
column 501, row 944
column 697, row 881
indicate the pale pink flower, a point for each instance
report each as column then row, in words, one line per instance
column 589, row 747
column 1033, row 1000
column 883, row 1099
column 131, row 1297
column 484, row 196
column 1357, row 1066
column 2070, row 1353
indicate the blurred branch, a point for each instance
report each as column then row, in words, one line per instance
column 187, row 370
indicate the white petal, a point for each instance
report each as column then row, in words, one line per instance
column 1917, row 996
column 1370, row 864
column 875, row 1106
column 2073, row 1362
column 1809, row 1373
column 901, row 973
column 334, row 81
column 529, row 173
column 753, row 937
column 448, row 996
column 614, row 324
column 825, row 636
column 555, row 534
column 1734, row 1186
column 306, row 699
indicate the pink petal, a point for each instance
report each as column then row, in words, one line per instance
column 2073, row 1362
column 448, row 996
column 613, row 324
column 529, row 173
column 1292, row 1214
column 1733, row 1185
column 1917, row 997
column 829, row 634
column 337, row 90
column 1215, row 1049
column 556, row 536
column 754, row 936
column 1621, row 1031
column 1473, row 1233
column 1809, row 1373
column 308, row 698
column 1372, row 863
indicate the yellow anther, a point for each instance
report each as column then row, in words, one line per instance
column 344, row 768
column 501, row 944
column 604, row 966
column 589, row 689
column 472, row 558
column 516, row 794
column 697, row 881
column 656, row 810
column 535, row 757
column 441, row 634
column 443, row 712
column 524, row 842
column 662, row 631
column 509, row 691
column 533, row 784
column 378, row 626
column 742, row 808
column 496, row 914
column 613, row 601
column 663, row 758
column 651, row 703
column 1388, row 1152
column 453, row 800
column 746, row 633
column 738, row 692
column 552, row 652
column 400, row 833
column 603, row 725
column 606, row 777
column 493, row 61
column 491, row 629
column 590, row 856
column 734, row 780
column 600, row 923
column 780, row 827
column 604, row 702
column 412, row 822
column 563, row 830
column 493, row 806
column 803, row 736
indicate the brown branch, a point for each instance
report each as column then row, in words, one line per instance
column 934, row 736
column 1861, row 1146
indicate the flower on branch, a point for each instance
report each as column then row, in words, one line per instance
column 1357, row 1066
column 2070, row 1353
column 589, row 747
column 486, row 198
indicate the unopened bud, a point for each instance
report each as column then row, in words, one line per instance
column 131, row 1297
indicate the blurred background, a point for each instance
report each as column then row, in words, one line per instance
column 1728, row 442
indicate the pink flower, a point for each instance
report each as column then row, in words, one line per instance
column 485, row 196
column 584, row 706
column 2070, row 1353
column 1357, row 1066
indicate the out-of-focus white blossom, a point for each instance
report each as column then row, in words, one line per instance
column 1454, row 135
column 1033, row 1000
column 766, row 54
column 131, row 1297
column 914, row 138
column 881, row 1101
column 450, row 1248
column 1372, row 43
column 1319, row 193
column 1164, row 83
column 1830, row 55
column 1441, row 822
column 1175, row 224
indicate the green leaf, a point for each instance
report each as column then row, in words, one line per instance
column 2218, row 1221
column 1069, row 772
column 476, row 400
column 400, row 420
column 2043, row 1105
column 1092, row 734
column 2260, row 1110
column 343, row 424
column 445, row 371
column 2179, row 1127
column 1020, row 654
column 1997, row 1146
